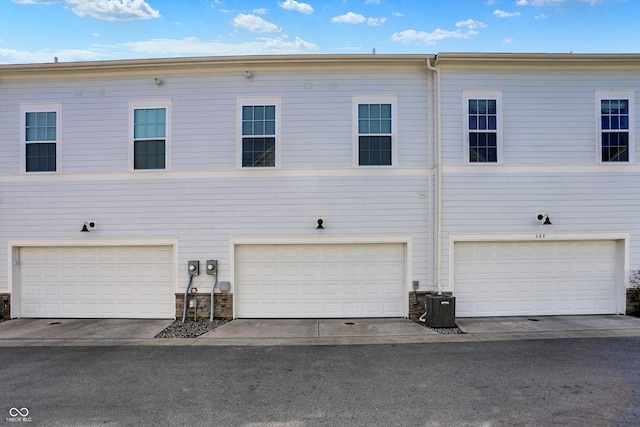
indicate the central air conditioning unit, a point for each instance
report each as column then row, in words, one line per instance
column 441, row 311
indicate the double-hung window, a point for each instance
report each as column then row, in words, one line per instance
column 482, row 127
column 375, row 124
column 41, row 130
column 615, row 130
column 259, row 132
column 150, row 136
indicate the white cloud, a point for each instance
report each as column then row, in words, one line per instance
column 397, row 14
column 372, row 1
column 13, row 56
column 502, row 14
column 507, row 40
column 541, row 16
column 261, row 11
column 297, row 6
column 194, row 46
column 254, row 23
column 413, row 36
column 356, row 18
column 106, row 10
column 471, row 24
column 376, row 21
column 349, row 18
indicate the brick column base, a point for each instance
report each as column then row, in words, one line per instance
column 5, row 306
column 223, row 306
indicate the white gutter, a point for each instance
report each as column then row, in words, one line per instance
column 438, row 159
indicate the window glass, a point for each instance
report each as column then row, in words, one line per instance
column 258, row 135
column 149, row 154
column 614, row 127
column 483, row 130
column 41, row 157
column 149, row 133
column 374, row 139
column 41, row 135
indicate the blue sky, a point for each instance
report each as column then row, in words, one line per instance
column 87, row 30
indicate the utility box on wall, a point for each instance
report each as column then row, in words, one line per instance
column 441, row 311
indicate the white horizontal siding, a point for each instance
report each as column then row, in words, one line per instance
column 548, row 117
column 316, row 122
column 205, row 211
column 491, row 202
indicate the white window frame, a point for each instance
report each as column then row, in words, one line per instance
column 245, row 101
column 615, row 94
column 137, row 105
column 481, row 94
column 374, row 99
column 39, row 108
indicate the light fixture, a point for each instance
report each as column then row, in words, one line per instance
column 320, row 226
column 248, row 75
column 158, row 81
column 88, row 226
column 543, row 218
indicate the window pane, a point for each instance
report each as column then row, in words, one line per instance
column 41, row 157
column 473, row 106
column 492, row 106
column 482, row 106
column 385, row 111
column 374, row 151
column 363, row 126
column 258, row 152
column 149, row 154
column 483, row 147
column 492, row 123
column 615, row 146
column 40, row 126
column 259, row 120
column 270, row 112
column 270, row 127
column 149, row 123
column 363, row 111
column 258, row 113
column 374, row 118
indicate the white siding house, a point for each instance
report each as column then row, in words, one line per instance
column 540, row 188
column 323, row 185
column 228, row 159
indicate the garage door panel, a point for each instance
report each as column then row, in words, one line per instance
column 336, row 280
column 535, row 278
column 97, row 282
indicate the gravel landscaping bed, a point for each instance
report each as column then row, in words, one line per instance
column 189, row 329
column 446, row 330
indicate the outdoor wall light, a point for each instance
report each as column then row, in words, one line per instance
column 543, row 218
column 158, row 81
column 320, row 224
column 88, row 226
column 248, row 75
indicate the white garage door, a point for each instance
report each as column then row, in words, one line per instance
column 323, row 281
column 97, row 282
column 535, row 278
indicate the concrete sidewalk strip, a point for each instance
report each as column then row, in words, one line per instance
column 486, row 325
column 372, row 327
column 268, row 328
column 82, row 328
column 317, row 328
